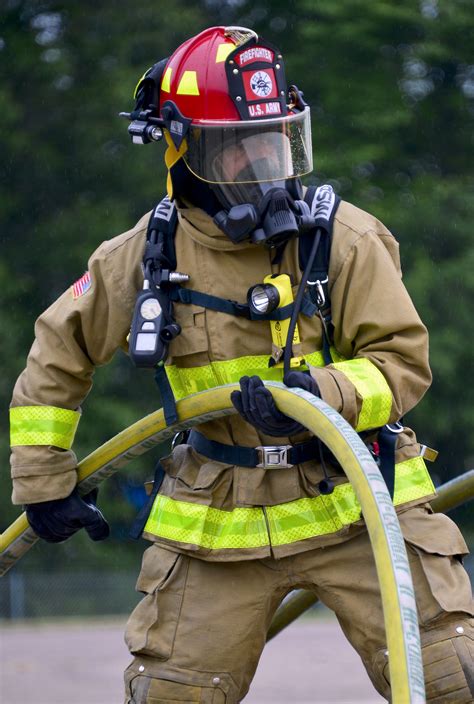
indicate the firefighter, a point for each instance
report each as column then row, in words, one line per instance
column 250, row 506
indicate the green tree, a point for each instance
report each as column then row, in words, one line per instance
column 70, row 179
column 391, row 86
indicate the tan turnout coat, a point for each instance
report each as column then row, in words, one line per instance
column 373, row 317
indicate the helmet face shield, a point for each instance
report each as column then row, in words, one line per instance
column 245, row 152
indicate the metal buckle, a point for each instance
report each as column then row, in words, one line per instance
column 395, row 428
column 179, row 438
column 320, row 297
column 273, row 456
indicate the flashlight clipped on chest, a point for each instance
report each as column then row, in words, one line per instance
column 275, row 292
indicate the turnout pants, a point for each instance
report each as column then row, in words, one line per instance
column 200, row 629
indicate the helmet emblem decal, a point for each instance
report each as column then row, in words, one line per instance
column 261, row 84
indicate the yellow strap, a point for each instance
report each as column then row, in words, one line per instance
column 241, row 528
column 43, row 425
column 372, row 387
column 172, row 155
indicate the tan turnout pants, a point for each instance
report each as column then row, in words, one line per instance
column 199, row 631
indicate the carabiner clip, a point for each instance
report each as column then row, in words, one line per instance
column 395, row 428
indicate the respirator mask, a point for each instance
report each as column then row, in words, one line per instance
column 253, row 169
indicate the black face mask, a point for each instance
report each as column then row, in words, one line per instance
column 273, row 212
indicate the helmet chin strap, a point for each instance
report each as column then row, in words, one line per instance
column 172, row 157
column 181, row 182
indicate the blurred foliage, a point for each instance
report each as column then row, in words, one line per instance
column 391, row 87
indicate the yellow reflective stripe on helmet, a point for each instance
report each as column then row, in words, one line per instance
column 188, row 85
column 138, row 86
column 215, row 529
column 43, row 425
column 223, row 51
column 166, row 82
column 372, row 387
column 211, row 528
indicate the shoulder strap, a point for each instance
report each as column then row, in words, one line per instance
column 323, row 203
column 160, row 251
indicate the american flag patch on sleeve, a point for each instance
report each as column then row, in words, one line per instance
column 81, row 285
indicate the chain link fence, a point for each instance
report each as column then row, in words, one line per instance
column 42, row 595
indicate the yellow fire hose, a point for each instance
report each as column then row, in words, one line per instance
column 400, row 616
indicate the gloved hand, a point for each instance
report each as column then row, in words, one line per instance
column 295, row 379
column 55, row 521
column 256, row 405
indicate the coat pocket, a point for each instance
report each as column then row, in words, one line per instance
column 195, row 478
column 435, row 550
column 193, row 336
column 151, row 627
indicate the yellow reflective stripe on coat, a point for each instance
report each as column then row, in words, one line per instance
column 211, row 528
column 43, row 425
column 372, row 387
column 216, row 529
column 190, row 380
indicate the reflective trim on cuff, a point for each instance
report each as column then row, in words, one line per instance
column 372, row 387
column 43, row 425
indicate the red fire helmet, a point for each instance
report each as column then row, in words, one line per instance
column 195, row 76
column 224, row 91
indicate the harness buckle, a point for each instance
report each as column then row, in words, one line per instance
column 179, row 438
column 273, row 456
column 320, row 296
column 395, row 428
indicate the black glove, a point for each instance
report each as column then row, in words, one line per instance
column 302, row 380
column 256, row 405
column 55, row 521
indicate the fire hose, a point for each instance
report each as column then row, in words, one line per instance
column 400, row 616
